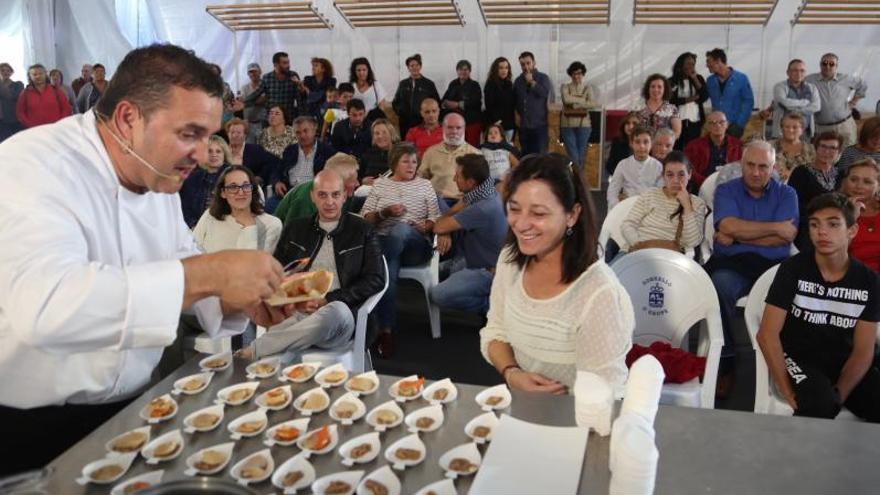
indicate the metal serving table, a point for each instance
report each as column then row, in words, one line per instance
column 701, row 451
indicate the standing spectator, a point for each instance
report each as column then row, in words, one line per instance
column 861, row 183
column 479, row 227
column 85, row 77
column 438, row 163
column 713, row 150
column 663, row 143
column 815, row 179
column 262, row 163
column 9, row 92
column 352, row 135
column 254, row 112
column 316, row 85
column 198, row 188
column 620, row 144
column 40, row 102
column 533, row 90
column 367, row 88
column 464, row 95
column 90, row 92
column 575, row 125
column 794, row 95
column 835, row 89
column 730, row 92
column 281, row 87
column 867, row 147
column 230, row 103
column 689, row 92
column 56, row 78
column 791, row 150
column 429, row 132
column 410, row 93
column 301, row 161
column 658, row 112
column 500, row 98
column 277, row 136
column 636, row 173
column 499, row 153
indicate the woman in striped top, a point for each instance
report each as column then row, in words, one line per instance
column 555, row 307
column 403, row 208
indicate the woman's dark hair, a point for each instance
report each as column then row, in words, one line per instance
column 676, row 156
column 280, row 109
column 632, row 116
column 575, row 67
column 493, row 71
column 220, row 207
column 497, row 126
column 870, row 129
column 834, row 200
column 413, row 58
column 580, row 249
column 463, row 64
column 352, row 70
column 398, row 151
column 326, row 64
column 37, row 66
column 646, row 89
column 60, row 75
column 828, row 136
column 678, row 67
column 98, row 66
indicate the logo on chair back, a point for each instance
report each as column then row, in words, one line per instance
column 655, row 296
column 657, row 287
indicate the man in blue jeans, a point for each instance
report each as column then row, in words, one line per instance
column 532, row 90
column 756, row 220
column 478, row 223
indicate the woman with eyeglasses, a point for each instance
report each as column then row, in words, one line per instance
column 235, row 219
column 574, row 122
column 815, row 179
column 198, row 188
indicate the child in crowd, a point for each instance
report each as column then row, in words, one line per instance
column 333, row 109
column 501, row 155
column 636, row 173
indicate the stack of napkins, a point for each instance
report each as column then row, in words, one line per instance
column 593, row 402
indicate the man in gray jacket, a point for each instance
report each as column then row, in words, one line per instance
column 533, row 90
column 794, row 95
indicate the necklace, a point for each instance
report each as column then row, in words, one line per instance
column 873, row 225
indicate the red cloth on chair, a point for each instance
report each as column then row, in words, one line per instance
column 679, row 365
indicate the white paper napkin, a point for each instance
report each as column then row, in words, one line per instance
column 643, row 387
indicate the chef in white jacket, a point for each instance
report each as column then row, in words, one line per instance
column 96, row 263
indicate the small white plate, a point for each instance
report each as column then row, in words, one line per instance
column 444, row 384
column 464, row 451
column 434, row 412
column 489, row 420
column 301, row 424
column 360, row 409
column 151, row 478
column 226, row 356
column 216, row 409
column 496, row 391
column 382, row 475
column 145, row 411
column 442, row 487
column 336, row 370
column 394, row 389
column 122, row 460
column 295, row 463
column 313, row 367
column 321, row 484
column 407, row 442
column 297, row 404
column 222, row 394
column 258, row 416
column 173, row 435
column 391, row 406
column 236, row 469
column 371, row 376
column 273, row 362
column 179, row 384
column 263, row 398
column 143, row 429
column 372, row 439
column 224, row 448
column 334, row 439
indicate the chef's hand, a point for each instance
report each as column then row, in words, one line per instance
column 245, row 278
column 534, row 382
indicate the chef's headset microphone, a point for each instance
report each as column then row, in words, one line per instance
column 129, row 151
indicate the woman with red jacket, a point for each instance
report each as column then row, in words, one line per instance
column 40, row 102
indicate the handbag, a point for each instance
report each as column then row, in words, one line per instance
column 674, row 245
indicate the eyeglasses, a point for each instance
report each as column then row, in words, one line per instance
column 236, row 188
column 828, row 147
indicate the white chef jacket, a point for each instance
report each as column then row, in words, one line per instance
column 91, row 285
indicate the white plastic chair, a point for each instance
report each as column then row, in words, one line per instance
column 354, row 356
column 670, row 294
column 613, row 220
column 428, row 275
column 767, row 400
column 708, row 238
column 707, row 189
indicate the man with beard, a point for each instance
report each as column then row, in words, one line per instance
column 438, row 163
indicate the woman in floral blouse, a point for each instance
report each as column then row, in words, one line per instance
column 658, row 112
column 276, row 136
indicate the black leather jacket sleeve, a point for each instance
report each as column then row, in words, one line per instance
column 369, row 280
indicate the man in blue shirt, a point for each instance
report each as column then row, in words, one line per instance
column 480, row 226
column 730, row 91
column 756, row 220
column 533, row 90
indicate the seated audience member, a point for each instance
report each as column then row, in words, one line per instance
column 40, row 102
column 464, row 95
column 336, row 241
column 868, row 145
column 730, row 92
column 658, row 112
column 791, row 150
column 429, row 132
column 336, row 111
column 555, row 307
column 56, row 78
column 403, row 207
column 620, row 145
column 713, row 150
column 374, row 161
column 197, row 190
column 88, row 95
column 301, row 161
column 352, row 135
column 317, row 85
column 668, row 216
column 9, row 91
column 794, row 96
column 410, row 93
column 755, row 223
column 575, row 125
column 298, row 202
column 501, row 155
column 822, row 361
column 662, row 144
column 277, row 136
column 637, row 173
column 815, row 179
column 688, row 91
column 861, row 183
column 476, row 227
column 262, row 163
column 438, row 163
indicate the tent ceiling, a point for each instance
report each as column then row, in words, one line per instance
column 545, row 11
column 276, row 15
column 703, row 11
column 378, row 13
column 838, row 12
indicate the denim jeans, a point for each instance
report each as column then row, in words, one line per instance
column 730, row 285
column 533, row 140
column 575, row 140
column 465, row 290
column 402, row 246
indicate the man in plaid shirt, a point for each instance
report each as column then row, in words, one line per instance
column 281, row 87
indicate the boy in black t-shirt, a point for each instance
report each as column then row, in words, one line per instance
column 820, row 323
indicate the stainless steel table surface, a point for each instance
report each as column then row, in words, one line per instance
column 701, row 451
